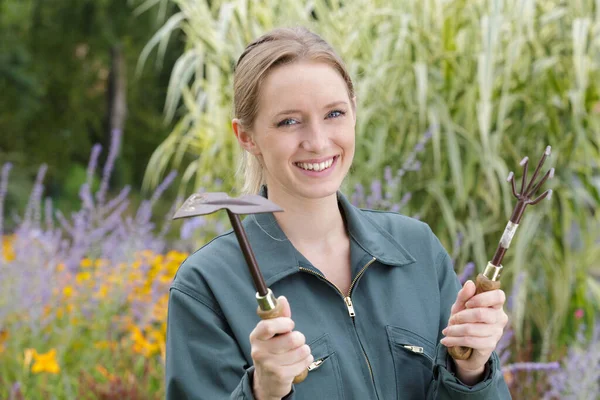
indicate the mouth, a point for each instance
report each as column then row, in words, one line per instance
column 317, row 167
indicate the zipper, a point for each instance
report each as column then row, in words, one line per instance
column 348, row 301
column 316, row 364
column 349, row 306
column 414, row 349
column 417, row 350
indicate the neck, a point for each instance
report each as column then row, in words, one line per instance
column 317, row 223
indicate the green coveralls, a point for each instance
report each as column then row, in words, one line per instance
column 379, row 341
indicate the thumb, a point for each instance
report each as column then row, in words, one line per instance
column 467, row 291
column 286, row 311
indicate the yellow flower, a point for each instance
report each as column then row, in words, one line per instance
column 102, row 292
column 101, row 263
column 142, row 345
column 158, row 260
column 8, row 251
column 83, row 276
column 105, row 344
column 67, row 291
column 86, row 263
column 45, row 362
column 60, row 267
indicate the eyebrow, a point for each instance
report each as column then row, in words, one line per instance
column 293, row 111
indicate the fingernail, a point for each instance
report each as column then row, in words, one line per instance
column 445, row 331
column 468, row 304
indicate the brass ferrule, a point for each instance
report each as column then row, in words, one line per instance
column 267, row 302
column 492, row 272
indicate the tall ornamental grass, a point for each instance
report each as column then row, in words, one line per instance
column 493, row 80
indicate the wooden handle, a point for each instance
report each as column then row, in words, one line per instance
column 274, row 313
column 482, row 284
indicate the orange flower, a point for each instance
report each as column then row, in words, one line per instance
column 3, row 337
column 104, row 372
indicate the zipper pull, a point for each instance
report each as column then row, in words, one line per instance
column 315, row 365
column 350, row 307
column 414, row 349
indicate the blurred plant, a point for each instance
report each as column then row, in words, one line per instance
column 110, row 272
column 579, row 376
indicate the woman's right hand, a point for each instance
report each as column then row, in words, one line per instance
column 279, row 354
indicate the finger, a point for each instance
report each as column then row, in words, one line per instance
column 290, row 357
column 467, row 291
column 493, row 298
column 475, row 330
column 285, row 342
column 268, row 328
column 285, row 306
column 286, row 373
column 478, row 343
column 480, row 315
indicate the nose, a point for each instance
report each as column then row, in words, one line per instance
column 316, row 138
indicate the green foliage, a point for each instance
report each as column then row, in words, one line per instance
column 496, row 80
column 54, row 74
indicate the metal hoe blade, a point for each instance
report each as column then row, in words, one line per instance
column 208, row 203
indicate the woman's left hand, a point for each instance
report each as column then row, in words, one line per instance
column 477, row 322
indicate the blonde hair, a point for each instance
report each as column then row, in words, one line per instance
column 277, row 47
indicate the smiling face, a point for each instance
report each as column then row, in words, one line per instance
column 304, row 130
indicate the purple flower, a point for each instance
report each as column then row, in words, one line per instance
column 467, row 272
column 579, row 377
column 113, row 151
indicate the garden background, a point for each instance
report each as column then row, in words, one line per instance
column 113, row 111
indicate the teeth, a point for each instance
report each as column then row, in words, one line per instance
column 316, row 166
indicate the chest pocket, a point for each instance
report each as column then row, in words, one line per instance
column 324, row 380
column 413, row 362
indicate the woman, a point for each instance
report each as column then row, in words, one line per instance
column 372, row 293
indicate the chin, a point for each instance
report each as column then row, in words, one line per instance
column 318, row 191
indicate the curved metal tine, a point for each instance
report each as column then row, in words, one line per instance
column 511, row 179
column 537, row 169
column 541, row 197
column 524, row 162
column 549, row 174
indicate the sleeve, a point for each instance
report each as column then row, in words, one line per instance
column 203, row 359
column 445, row 385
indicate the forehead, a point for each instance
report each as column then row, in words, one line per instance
column 302, row 84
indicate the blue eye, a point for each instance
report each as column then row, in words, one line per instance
column 336, row 113
column 287, row 122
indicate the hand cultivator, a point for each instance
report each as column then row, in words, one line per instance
column 489, row 279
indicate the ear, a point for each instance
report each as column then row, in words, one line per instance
column 244, row 137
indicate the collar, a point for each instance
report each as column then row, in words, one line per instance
column 278, row 258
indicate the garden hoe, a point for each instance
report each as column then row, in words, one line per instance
column 208, row 203
column 489, row 279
